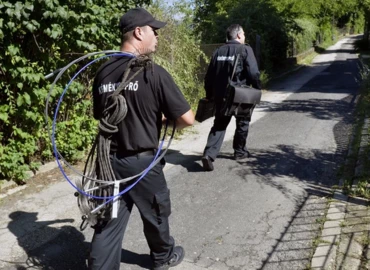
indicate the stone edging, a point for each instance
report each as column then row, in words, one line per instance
column 12, row 187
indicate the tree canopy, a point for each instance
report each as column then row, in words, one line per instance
column 280, row 23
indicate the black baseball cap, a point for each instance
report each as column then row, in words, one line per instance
column 138, row 17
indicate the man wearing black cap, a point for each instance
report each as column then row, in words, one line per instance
column 215, row 83
column 151, row 97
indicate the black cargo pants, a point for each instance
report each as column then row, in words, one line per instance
column 217, row 134
column 151, row 197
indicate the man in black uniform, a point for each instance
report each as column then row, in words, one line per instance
column 151, row 94
column 215, row 83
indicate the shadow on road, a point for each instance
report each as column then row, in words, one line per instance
column 300, row 234
column 309, row 166
column 46, row 246
column 189, row 162
column 49, row 247
column 325, row 51
column 315, row 166
column 142, row 260
column 318, row 109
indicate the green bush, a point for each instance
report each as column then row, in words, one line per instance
column 39, row 36
column 304, row 35
column 179, row 51
column 357, row 23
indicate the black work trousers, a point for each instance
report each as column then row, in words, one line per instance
column 151, row 197
column 217, row 134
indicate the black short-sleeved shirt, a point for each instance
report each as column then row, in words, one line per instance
column 148, row 95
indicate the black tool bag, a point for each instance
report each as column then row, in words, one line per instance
column 240, row 99
column 206, row 109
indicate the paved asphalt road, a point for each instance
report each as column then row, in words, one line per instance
column 261, row 213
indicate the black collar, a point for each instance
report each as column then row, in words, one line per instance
column 233, row 42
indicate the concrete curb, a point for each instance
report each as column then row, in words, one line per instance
column 12, row 187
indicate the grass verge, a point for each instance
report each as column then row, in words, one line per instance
column 356, row 171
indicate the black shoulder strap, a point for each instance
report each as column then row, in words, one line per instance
column 236, row 60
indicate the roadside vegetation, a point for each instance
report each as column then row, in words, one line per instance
column 40, row 36
column 356, row 171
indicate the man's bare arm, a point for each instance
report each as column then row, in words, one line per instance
column 185, row 120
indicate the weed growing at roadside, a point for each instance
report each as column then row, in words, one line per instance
column 343, row 224
column 360, row 147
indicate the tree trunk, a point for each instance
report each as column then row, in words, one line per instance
column 367, row 26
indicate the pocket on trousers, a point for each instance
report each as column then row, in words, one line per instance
column 162, row 205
